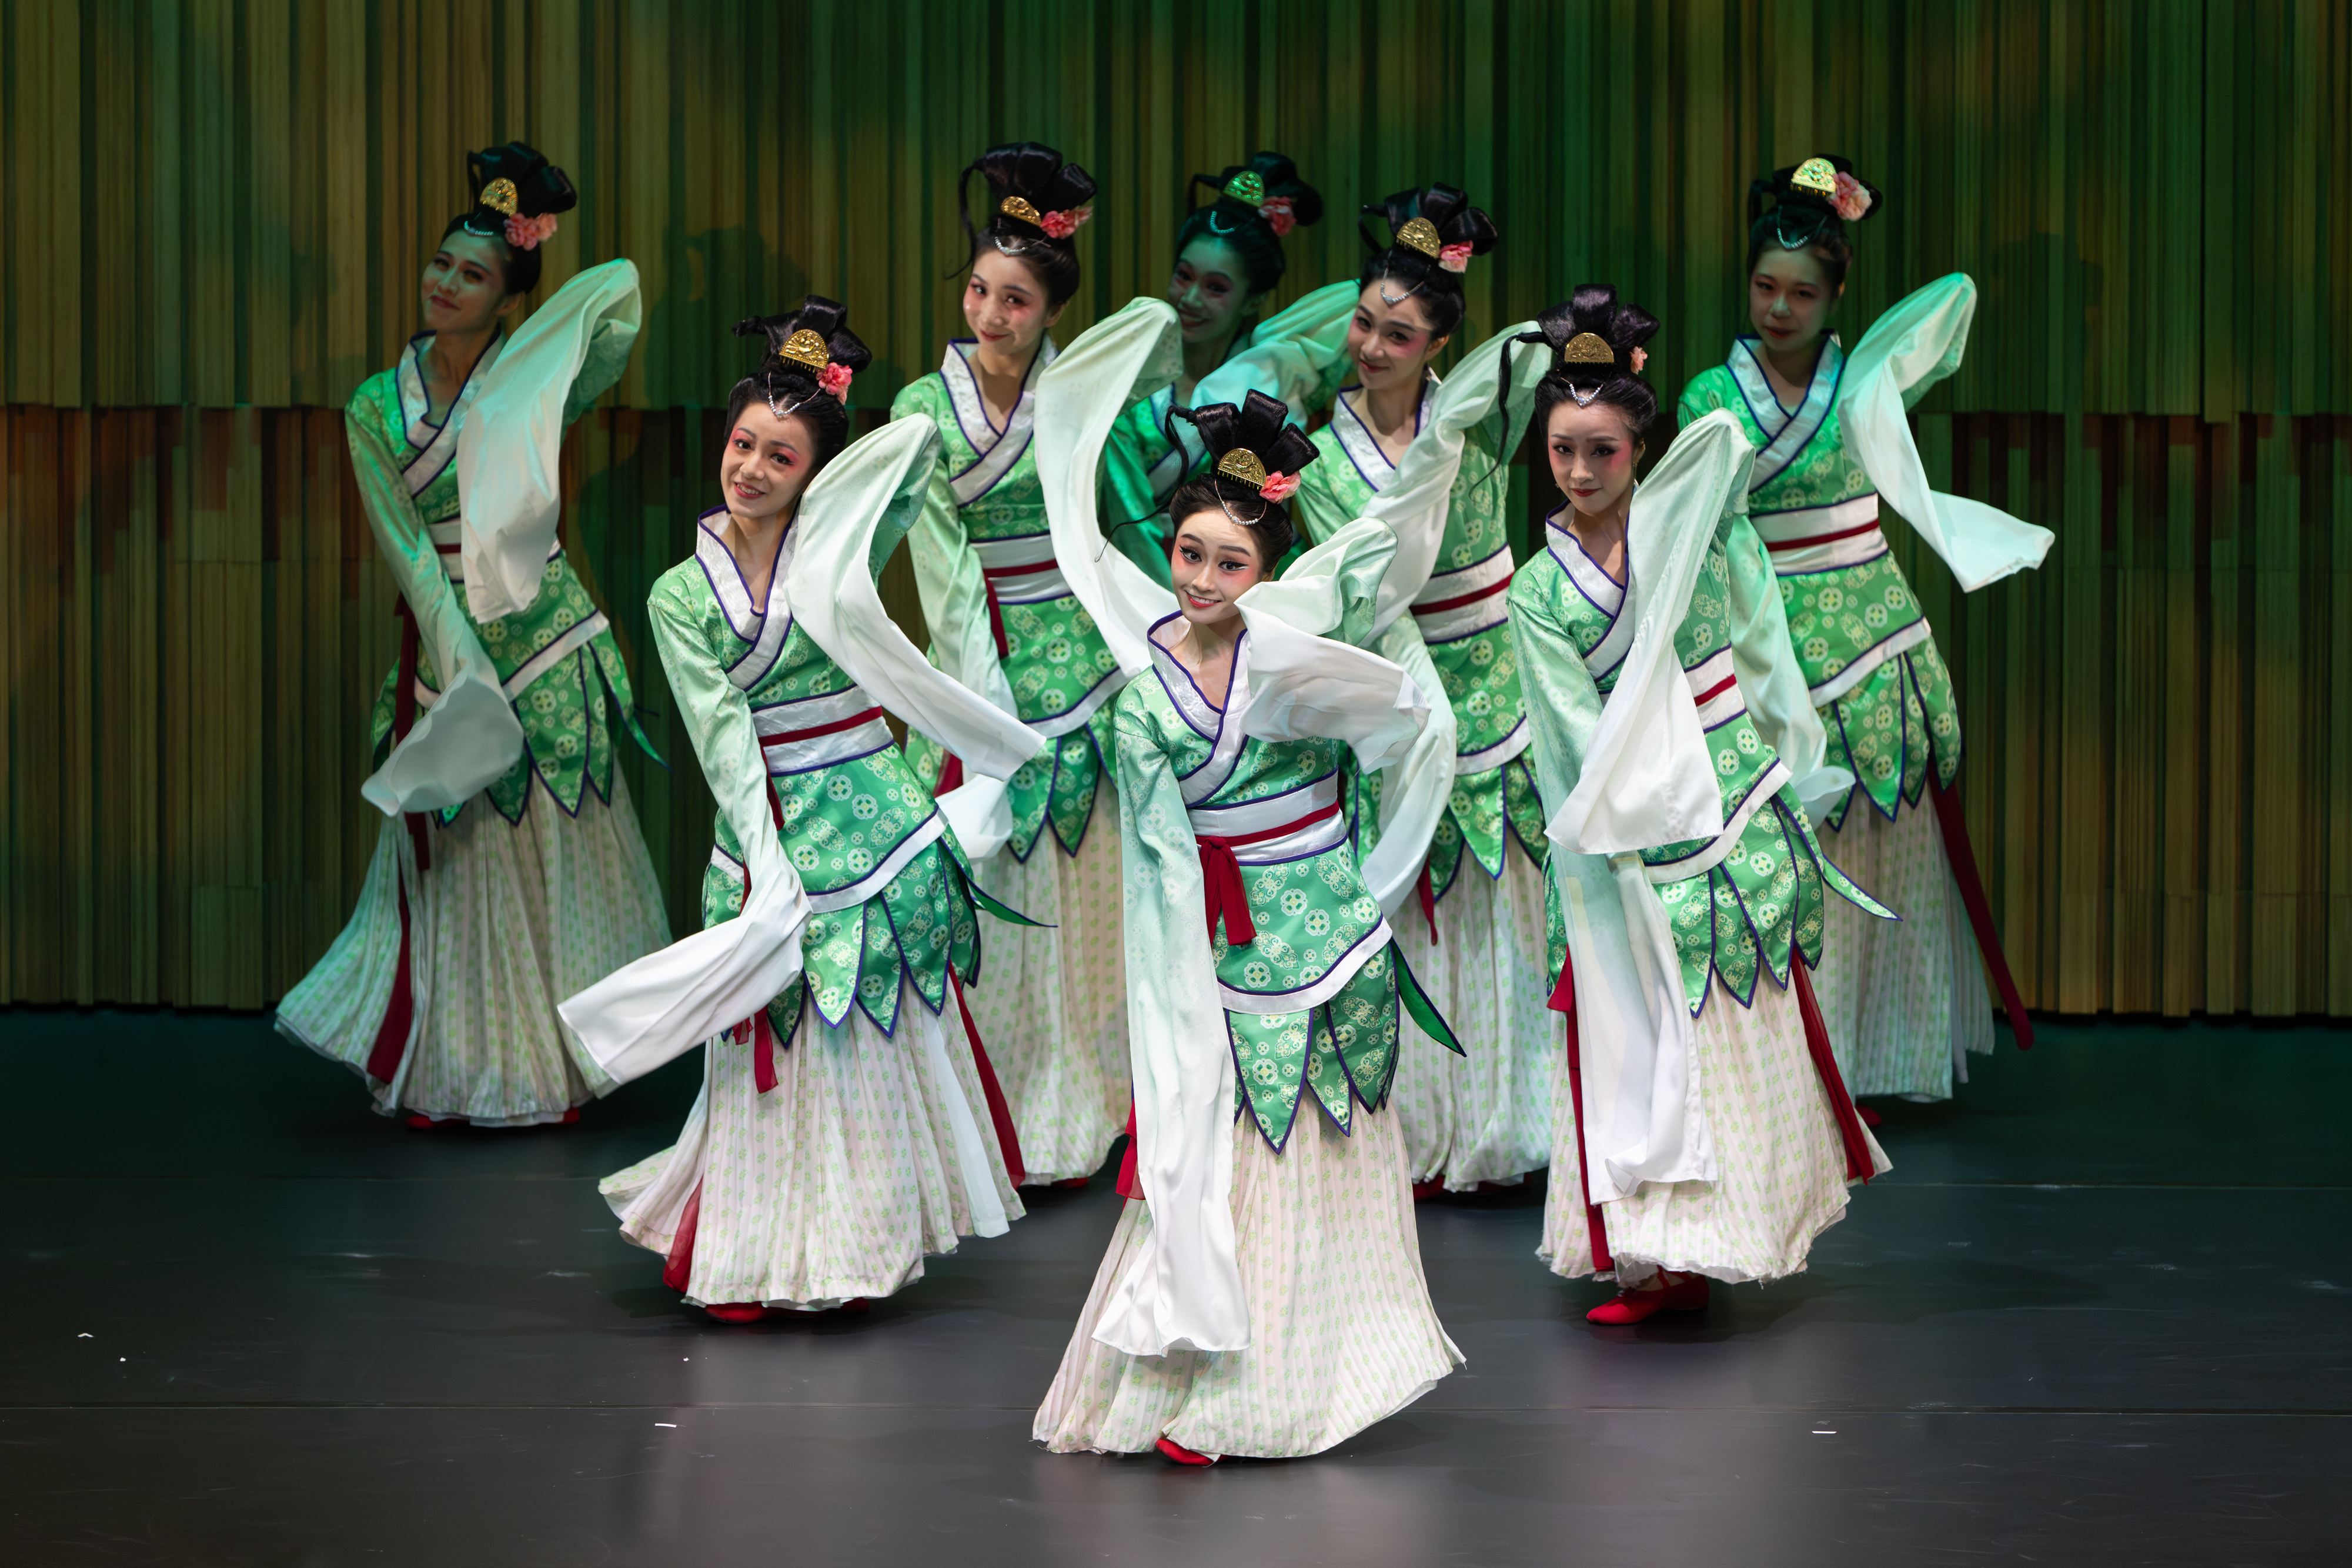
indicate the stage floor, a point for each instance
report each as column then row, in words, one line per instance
column 2100, row 1312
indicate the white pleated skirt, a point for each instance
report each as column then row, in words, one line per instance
column 1781, row 1164
column 1484, row 1115
column 508, row 922
column 1051, row 1002
column 1343, row 1333
column 1906, row 1000
column 872, row 1153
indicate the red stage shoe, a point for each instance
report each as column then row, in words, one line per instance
column 571, row 1118
column 1869, row 1118
column 858, row 1304
column 1181, row 1454
column 1422, row 1191
column 736, row 1311
column 1627, row 1307
column 1072, row 1182
column 420, row 1123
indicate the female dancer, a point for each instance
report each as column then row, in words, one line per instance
column 480, row 912
column 1003, row 623
column 1485, row 1116
column 844, row 1129
column 1264, row 1295
column 1228, row 259
column 1704, row 1133
column 1906, row 1003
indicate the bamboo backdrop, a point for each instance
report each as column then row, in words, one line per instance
column 211, row 212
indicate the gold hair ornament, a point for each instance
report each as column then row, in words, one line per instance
column 1420, row 234
column 1243, row 464
column 500, row 196
column 806, row 348
column 1587, row 349
column 1017, row 207
column 1248, row 186
column 1818, row 175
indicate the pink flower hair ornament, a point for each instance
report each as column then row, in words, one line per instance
column 1063, row 224
column 1852, row 198
column 1454, row 258
column 1278, row 214
column 529, row 234
column 1279, row 487
column 834, row 380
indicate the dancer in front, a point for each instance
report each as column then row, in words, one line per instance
column 1263, row 1295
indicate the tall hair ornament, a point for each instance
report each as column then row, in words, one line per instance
column 806, row 348
column 1018, row 208
column 1420, row 234
column 501, row 197
column 1248, row 186
column 1818, row 175
column 1243, row 464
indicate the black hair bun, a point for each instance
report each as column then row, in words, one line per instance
column 536, row 187
column 1811, row 199
column 1030, row 180
column 1594, row 311
column 1261, row 427
column 1267, row 190
column 1444, row 209
column 789, row 364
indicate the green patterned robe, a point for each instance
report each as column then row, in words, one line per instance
column 984, row 553
column 1738, row 904
column 1463, row 618
column 1311, row 1003
column 1869, row 657
column 890, row 891
column 557, row 659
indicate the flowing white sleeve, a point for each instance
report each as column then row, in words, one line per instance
column 854, row 513
column 1419, row 786
column 1183, row 1287
column 1298, row 355
column 1918, row 341
column 1641, row 1113
column 1307, row 672
column 1646, row 779
column 509, row 450
column 469, row 736
column 1080, row 397
column 644, row 1014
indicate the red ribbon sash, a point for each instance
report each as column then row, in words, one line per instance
column 1220, row 875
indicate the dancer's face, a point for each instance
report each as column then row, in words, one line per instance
column 1215, row 561
column 767, row 464
column 1004, row 304
column 1210, row 291
column 1790, row 300
column 1593, row 452
column 466, row 285
column 1391, row 346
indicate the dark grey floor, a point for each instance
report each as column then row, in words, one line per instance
column 2101, row 1312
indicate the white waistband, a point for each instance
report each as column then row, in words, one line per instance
column 1451, row 625
column 1257, row 816
column 1716, row 675
column 1809, row 522
column 798, row 756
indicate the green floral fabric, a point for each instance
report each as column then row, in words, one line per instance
column 837, row 822
column 1056, row 655
column 1312, row 916
column 1902, row 715
column 569, row 713
column 1748, row 913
